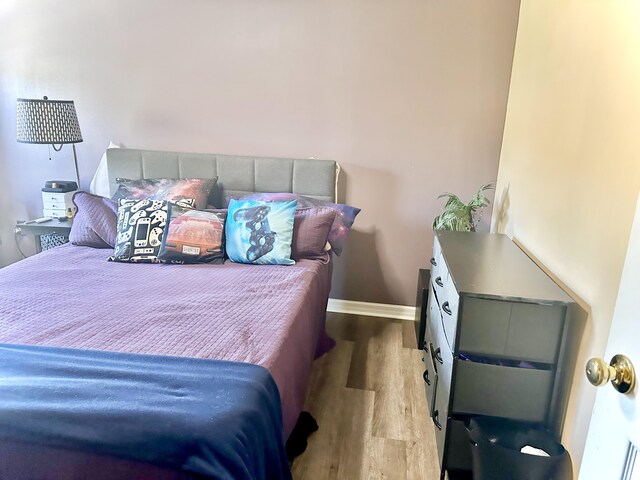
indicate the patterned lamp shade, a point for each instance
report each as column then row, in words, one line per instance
column 47, row 121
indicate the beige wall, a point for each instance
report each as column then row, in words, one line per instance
column 569, row 170
column 409, row 96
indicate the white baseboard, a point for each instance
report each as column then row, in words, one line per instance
column 401, row 312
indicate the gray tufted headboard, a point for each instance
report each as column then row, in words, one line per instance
column 237, row 175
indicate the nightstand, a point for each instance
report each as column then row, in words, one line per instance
column 48, row 234
column 422, row 296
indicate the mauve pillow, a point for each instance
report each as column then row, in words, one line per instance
column 94, row 224
column 345, row 214
column 311, row 227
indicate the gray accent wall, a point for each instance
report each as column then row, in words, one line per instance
column 408, row 96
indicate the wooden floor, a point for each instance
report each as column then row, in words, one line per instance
column 368, row 397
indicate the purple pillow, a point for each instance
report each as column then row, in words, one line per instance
column 345, row 214
column 311, row 227
column 94, row 224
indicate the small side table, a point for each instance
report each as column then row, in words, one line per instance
column 54, row 232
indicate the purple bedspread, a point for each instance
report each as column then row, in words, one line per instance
column 269, row 315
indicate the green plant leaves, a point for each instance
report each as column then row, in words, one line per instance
column 457, row 215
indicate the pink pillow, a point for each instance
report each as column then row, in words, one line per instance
column 94, row 224
column 311, row 227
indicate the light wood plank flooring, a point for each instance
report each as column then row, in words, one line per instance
column 367, row 395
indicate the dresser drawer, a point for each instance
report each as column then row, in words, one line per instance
column 47, row 212
column 509, row 392
column 437, row 254
column 439, row 280
column 58, row 197
column 438, row 265
column 54, row 197
column 449, row 313
column 443, row 361
column 434, row 318
column 508, row 329
column 429, row 376
column 55, row 205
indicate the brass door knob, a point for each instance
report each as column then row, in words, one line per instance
column 620, row 371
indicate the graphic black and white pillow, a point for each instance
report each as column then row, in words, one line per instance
column 141, row 224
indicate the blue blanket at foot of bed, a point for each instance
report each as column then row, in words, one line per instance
column 218, row 419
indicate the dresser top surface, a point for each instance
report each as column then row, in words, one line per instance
column 491, row 265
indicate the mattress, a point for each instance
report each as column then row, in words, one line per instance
column 269, row 315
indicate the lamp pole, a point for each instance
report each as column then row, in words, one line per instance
column 75, row 163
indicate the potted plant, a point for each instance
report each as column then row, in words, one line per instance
column 459, row 216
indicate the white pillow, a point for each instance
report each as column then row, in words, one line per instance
column 100, row 183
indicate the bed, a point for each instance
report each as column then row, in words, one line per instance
column 70, row 297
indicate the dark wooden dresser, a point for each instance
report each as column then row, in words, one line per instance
column 501, row 340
